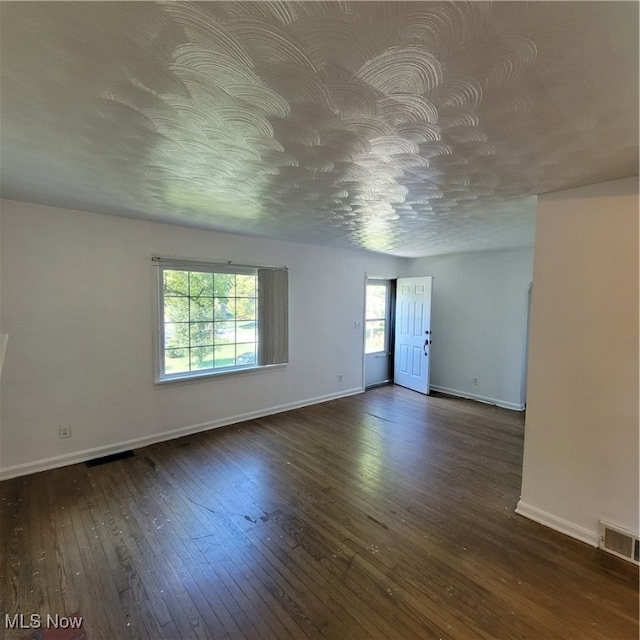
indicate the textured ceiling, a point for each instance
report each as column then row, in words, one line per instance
column 412, row 128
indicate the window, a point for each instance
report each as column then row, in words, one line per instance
column 376, row 319
column 218, row 318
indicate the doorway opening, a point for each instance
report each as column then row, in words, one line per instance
column 378, row 331
column 398, row 338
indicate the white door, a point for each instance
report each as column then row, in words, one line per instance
column 413, row 333
column 377, row 321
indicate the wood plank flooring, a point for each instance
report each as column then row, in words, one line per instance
column 385, row 515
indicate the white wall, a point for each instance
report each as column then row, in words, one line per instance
column 581, row 434
column 479, row 313
column 77, row 293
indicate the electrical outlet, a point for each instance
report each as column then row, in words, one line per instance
column 475, row 381
column 340, row 378
column 64, row 431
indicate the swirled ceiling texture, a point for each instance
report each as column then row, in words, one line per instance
column 409, row 128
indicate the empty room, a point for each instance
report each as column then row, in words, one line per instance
column 319, row 320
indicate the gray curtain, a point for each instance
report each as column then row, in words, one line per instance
column 273, row 316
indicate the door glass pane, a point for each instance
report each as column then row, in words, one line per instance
column 376, row 302
column 375, row 334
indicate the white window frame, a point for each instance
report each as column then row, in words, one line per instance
column 177, row 264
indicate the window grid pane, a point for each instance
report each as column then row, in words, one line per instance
column 209, row 320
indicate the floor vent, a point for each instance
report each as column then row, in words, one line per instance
column 620, row 542
column 112, row 458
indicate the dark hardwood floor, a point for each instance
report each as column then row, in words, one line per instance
column 384, row 515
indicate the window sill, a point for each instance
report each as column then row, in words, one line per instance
column 180, row 379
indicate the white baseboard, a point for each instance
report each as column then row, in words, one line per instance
column 473, row 396
column 558, row 524
column 137, row 443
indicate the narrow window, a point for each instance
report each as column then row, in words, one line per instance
column 219, row 318
column 376, row 319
